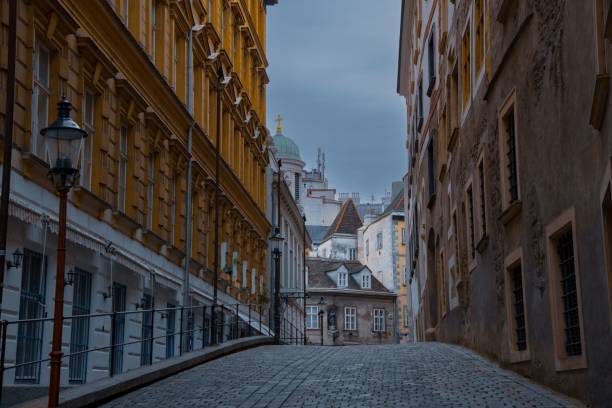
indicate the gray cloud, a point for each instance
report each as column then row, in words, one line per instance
column 333, row 70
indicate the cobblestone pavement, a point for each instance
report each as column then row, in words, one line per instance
column 415, row 375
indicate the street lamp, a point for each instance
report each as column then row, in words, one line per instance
column 63, row 141
column 321, row 313
column 277, row 241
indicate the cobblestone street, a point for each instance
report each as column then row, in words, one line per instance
column 420, row 375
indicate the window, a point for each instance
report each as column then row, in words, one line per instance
column 123, row 157
column 170, row 327
column 469, row 219
column 297, row 187
column 607, row 235
column 379, row 320
column 569, row 294
column 405, row 276
column 565, row 293
column 125, row 10
column 431, row 168
column 515, row 307
column 482, row 194
column 511, row 156
column 89, row 127
column 466, row 79
column 479, row 37
column 312, row 317
column 173, row 208
column 443, row 287
column 509, row 153
column 518, row 307
column 40, row 97
column 431, row 54
column 153, row 18
column 404, row 236
column 350, row 318
column 367, row 247
column 150, row 189
column 352, row 254
column 454, row 105
column 366, row 281
column 146, row 349
column 342, row 279
column 30, row 334
column 175, row 57
column 79, row 327
column 405, row 316
column 420, row 106
column 379, row 241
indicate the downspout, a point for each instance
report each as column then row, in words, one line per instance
column 188, row 200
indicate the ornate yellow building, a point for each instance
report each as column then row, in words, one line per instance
column 124, row 65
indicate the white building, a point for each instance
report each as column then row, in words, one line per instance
column 382, row 248
column 340, row 240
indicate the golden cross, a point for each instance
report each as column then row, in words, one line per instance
column 279, row 126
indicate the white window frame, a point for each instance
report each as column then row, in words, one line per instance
column 379, row 320
column 366, row 281
column 352, row 254
column 312, row 317
column 350, row 318
column 123, row 158
column 41, row 92
column 379, row 241
column 342, row 279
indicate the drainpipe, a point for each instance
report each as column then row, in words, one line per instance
column 8, row 139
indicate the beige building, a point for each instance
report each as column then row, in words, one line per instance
column 508, row 190
column 347, row 305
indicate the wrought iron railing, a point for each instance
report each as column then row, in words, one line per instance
column 198, row 327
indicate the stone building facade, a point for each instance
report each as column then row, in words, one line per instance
column 124, row 65
column 508, row 187
column 348, row 303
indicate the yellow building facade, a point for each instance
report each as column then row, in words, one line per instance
column 123, row 64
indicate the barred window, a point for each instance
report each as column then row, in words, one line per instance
column 512, row 174
column 569, row 293
column 518, row 307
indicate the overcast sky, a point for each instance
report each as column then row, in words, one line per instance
column 333, row 70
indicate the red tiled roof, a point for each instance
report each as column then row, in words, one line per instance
column 347, row 221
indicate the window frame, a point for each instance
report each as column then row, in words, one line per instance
column 122, row 176
column 508, row 204
column 378, row 320
column 481, row 172
column 379, row 241
column 466, row 68
column 470, row 223
column 511, row 262
column 89, row 125
column 37, row 145
column 559, row 226
column 309, row 325
column 366, row 281
column 606, row 222
column 342, row 279
column 350, row 318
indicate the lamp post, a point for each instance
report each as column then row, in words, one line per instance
column 64, row 142
column 321, row 313
column 277, row 240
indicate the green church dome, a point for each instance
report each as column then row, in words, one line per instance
column 285, row 147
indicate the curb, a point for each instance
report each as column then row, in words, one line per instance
column 107, row 389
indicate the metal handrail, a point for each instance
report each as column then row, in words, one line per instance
column 247, row 325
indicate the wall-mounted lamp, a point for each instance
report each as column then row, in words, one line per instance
column 69, row 279
column 17, row 258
